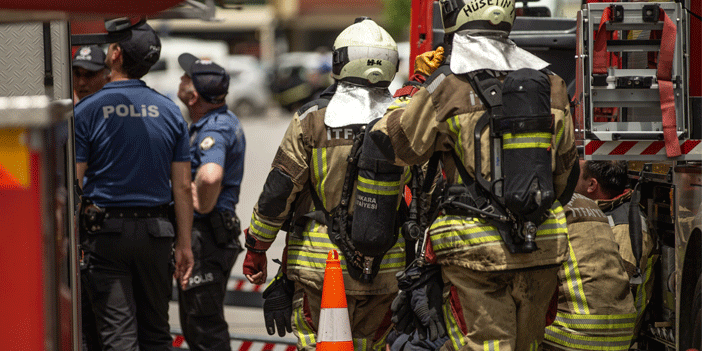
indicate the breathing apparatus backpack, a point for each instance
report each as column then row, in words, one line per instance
column 521, row 192
column 373, row 230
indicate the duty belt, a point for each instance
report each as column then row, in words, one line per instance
column 137, row 212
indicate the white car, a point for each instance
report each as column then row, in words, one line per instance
column 249, row 94
column 248, row 90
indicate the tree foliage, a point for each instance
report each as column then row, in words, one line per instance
column 396, row 17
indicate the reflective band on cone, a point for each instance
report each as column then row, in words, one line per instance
column 334, row 327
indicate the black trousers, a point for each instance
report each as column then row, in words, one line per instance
column 201, row 304
column 89, row 332
column 129, row 275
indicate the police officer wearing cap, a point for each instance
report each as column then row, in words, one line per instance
column 132, row 151
column 217, row 147
column 90, row 73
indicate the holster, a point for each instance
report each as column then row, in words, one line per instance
column 226, row 226
column 91, row 217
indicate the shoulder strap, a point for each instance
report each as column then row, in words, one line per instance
column 437, row 77
column 620, row 214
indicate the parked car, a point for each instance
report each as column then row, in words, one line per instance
column 300, row 77
column 248, row 90
column 164, row 76
column 249, row 94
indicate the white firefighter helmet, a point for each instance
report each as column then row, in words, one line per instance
column 458, row 15
column 365, row 54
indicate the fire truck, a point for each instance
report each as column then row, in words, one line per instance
column 639, row 88
column 39, row 296
column 634, row 70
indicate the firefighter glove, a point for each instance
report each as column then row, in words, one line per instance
column 426, row 303
column 277, row 304
column 402, row 315
column 429, row 61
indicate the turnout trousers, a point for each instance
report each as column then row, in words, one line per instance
column 503, row 310
column 369, row 316
column 129, row 276
column 201, row 304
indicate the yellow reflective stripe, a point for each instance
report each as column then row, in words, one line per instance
column 311, row 251
column 378, row 187
column 575, row 283
column 456, row 231
column 559, row 135
column 262, row 230
column 305, row 335
column 491, row 345
column 317, row 261
column 526, row 140
column 320, row 172
column 452, row 327
column 399, row 103
column 379, row 183
column 534, row 346
column 359, row 344
column 594, row 322
column 455, row 128
column 587, row 342
column 641, row 297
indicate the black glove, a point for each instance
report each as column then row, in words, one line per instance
column 427, row 301
column 402, row 315
column 419, row 302
column 277, row 304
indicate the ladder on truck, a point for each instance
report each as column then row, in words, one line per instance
column 633, row 83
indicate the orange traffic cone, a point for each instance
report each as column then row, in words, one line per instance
column 334, row 327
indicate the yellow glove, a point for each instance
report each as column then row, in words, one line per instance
column 429, row 61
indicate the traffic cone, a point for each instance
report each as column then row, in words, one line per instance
column 334, row 327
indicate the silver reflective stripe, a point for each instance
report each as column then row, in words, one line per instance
column 435, row 83
column 363, row 52
column 611, row 221
column 307, row 112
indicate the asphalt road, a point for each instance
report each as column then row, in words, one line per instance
column 263, row 135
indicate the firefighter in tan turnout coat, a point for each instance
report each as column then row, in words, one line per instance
column 312, row 161
column 493, row 299
column 595, row 308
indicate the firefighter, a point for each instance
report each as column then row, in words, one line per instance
column 132, row 149
column 313, row 160
column 89, row 71
column 495, row 295
column 606, row 182
column 595, row 308
column 217, row 148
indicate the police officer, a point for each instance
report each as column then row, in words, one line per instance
column 132, row 149
column 89, row 71
column 89, row 75
column 606, row 182
column 312, row 161
column 217, row 147
column 493, row 298
column 595, row 307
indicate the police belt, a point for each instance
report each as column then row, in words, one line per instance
column 136, row 212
